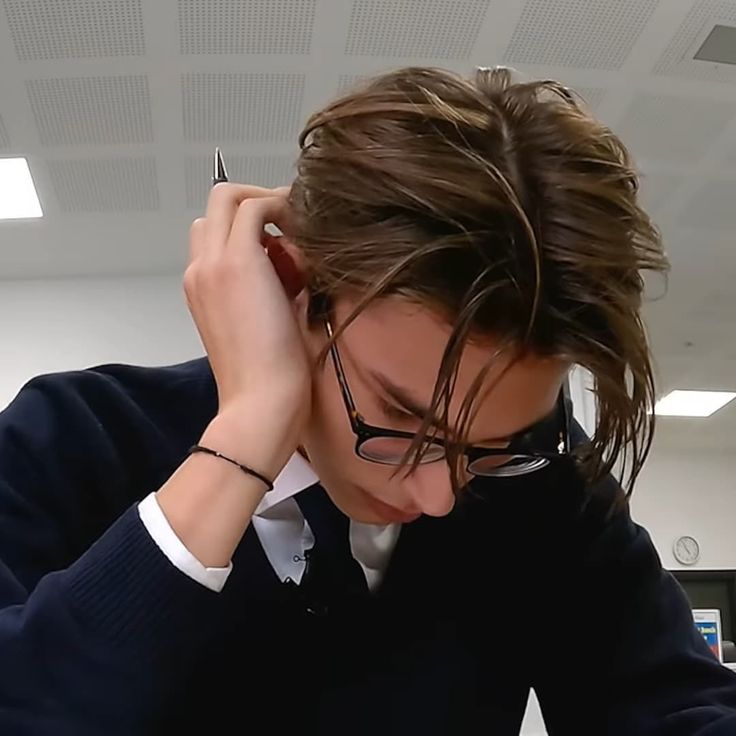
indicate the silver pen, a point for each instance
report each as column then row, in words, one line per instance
column 218, row 171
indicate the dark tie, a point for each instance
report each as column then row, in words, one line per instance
column 332, row 578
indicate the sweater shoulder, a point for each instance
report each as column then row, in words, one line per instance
column 168, row 398
column 78, row 447
column 127, row 379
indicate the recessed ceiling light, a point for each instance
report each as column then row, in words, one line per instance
column 18, row 198
column 692, row 403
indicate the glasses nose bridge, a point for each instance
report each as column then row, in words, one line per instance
column 441, row 460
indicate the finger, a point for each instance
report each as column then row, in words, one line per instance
column 248, row 232
column 252, row 217
column 222, row 205
column 197, row 238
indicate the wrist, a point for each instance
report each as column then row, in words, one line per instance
column 208, row 501
column 253, row 435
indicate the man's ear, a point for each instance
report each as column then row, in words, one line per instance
column 288, row 261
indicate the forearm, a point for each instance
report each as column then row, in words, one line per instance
column 208, row 501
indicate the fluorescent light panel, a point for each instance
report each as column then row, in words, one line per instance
column 692, row 403
column 18, row 198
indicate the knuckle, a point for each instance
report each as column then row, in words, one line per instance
column 236, row 192
column 222, row 192
column 211, row 276
column 248, row 204
column 197, row 226
column 190, row 277
column 222, row 188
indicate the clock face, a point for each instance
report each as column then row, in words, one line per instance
column 686, row 550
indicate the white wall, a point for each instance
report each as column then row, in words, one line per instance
column 49, row 326
column 583, row 398
column 689, row 493
column 678, row 492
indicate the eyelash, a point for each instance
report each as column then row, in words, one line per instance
column 393, row 412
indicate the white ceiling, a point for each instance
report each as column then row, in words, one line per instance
column 118, row 105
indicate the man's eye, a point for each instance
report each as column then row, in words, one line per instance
column 393, row 412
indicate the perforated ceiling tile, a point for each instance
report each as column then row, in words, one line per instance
column 263, row 171
column 105, row 184
column 592, row 96
column 4, row 137
column 657, row 188
column 444, row 29
column 591, row 34
column 97, row 110
column 346, row 82
column 678, row 58
column 677, row 129
column 718, row 306
column 711, row 206
column 52, row 29
column 241, row 107
column 253, row 27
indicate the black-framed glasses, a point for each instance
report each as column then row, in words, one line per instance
column 531, row 450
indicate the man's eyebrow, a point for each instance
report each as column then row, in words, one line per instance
column 402, row 397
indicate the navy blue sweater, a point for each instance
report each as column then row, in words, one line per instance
column 101, row 634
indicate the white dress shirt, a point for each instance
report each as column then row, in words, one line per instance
column 282, row 530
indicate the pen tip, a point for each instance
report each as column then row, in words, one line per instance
column 219, row 173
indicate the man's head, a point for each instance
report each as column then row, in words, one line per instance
column 473, row 239
column 389, row 355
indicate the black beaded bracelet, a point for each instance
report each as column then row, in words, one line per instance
column 244, row 468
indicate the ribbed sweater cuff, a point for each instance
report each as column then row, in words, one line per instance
column 124, row 587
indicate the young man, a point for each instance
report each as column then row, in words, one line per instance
column 367, row 509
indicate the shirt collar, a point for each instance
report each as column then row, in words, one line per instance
column 371, row 545
column 295, row 477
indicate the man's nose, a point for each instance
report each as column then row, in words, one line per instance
column 429, row 488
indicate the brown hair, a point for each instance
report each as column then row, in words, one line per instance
column 505, row 206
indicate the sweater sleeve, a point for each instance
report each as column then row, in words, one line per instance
column 157, row 525
column 95, row 622
column 622, row 654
